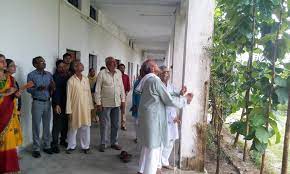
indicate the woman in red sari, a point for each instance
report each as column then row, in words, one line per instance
column 9, row 123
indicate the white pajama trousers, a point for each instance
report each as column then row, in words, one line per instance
column 84, row 134
column 165, row 154
column 149, row 160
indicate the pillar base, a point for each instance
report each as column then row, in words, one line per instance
column 178, row 171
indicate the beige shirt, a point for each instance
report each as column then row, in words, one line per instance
column 109, row 89
column 79, row 103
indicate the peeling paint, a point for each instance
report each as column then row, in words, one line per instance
column 197, row 163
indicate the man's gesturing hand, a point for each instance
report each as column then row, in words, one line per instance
column 189, row 97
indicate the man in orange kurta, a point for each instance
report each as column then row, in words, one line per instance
column 78, row 107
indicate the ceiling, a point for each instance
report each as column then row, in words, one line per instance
column 148, row 22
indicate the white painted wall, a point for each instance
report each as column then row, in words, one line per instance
column 196, row 77
column 31, row 28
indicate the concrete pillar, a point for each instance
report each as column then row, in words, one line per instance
column 196, row 71
column 178, row 45
column 168, row 58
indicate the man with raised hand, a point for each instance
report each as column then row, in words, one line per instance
column 152, row 116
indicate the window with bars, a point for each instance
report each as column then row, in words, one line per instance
column 93, row 13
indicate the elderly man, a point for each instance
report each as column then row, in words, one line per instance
column 172, row 119
column 153, row 127
column 78, row 107
column 110, row 97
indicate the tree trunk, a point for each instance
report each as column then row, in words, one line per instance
column 286, row 140
column 247, row 124
column 238, row 135
column 273, row 61
column 219, row 130
column 218, row 151
column 250, row 61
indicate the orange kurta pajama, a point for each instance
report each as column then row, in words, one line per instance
column 10, row 130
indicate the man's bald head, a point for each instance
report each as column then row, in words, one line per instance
column 150, row 66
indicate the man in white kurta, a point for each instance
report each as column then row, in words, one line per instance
column 152, row 130
column 78, row 107
column 172, row 119
column 110, row 99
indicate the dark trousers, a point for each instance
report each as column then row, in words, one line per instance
column 60, row 126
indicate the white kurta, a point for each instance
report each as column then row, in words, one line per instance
column 153, row 127
column 79, row 102
column 171, row 113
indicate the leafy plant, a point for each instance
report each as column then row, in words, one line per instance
column 255, row 29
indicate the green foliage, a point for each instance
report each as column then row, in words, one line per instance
column 231, row 77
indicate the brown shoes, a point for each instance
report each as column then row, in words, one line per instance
column 116, row 147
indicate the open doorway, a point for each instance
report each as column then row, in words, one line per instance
column 132, row 76
column 129, row 68
column 137, row 71
column 76, row 55
column 93, row 62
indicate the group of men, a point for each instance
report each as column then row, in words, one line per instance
column 69, row 90
column 69, row 94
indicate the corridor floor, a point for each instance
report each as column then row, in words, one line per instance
column 93, row 163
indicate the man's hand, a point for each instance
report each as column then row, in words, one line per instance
column 183, row 90
column 69, row 117
column 99, row 108
column 122, row 108
column 41, row 88
column 18, row 94
column 52, row 85
column 29, row 84
column 189, row 97
column 57, row 109
column 134, row 108
column 177, row 120
column 10, row 91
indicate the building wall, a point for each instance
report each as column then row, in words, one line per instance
column 47, row 28
column 196, row 76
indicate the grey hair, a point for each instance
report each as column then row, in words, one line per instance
column 108, row 59
column 146, row 67
column 163, row 67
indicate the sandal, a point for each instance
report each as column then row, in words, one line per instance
column 125, row 156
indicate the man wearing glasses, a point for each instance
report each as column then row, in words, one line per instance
column 41, row 105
